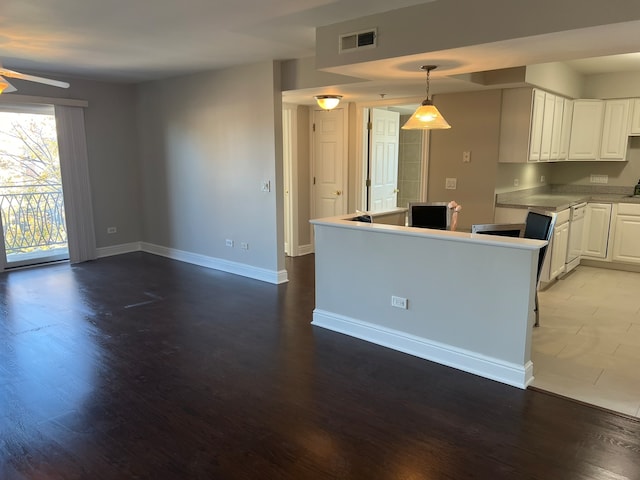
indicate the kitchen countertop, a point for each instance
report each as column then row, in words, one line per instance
column 559, row 201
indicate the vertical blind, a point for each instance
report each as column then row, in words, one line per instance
column 74, row 167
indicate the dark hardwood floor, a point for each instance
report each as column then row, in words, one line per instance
column 139, row 367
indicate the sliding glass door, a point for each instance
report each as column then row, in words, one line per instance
column 32, row 212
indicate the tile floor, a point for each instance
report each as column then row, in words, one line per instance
column 588, row 344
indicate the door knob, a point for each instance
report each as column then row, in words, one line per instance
column 337, row 192
column 395, row 190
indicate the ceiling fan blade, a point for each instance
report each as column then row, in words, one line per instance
column 32, row 78
column 8, row 88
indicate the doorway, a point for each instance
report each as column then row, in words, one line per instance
column 382, row 187
column 409, row 172
column 32, row 212
column 329, row 163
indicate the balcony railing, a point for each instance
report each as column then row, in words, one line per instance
column 33, row 219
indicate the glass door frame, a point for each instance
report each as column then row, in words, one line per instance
column 29, row 260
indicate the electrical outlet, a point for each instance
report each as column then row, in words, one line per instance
column 466, row 157
column 542, row 179
column 399, row 302
column 228, row 242
column 450, row 183
column 516, row 182
column 112, row 230
column 244, row 245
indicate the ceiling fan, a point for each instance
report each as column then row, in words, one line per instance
column 5, row 86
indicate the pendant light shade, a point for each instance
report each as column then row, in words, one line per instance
column 427, row 116
column 3, row 84
column 328, row 102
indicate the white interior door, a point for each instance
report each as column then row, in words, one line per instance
column 286, row 170
column 384, row 141
column 329, row 163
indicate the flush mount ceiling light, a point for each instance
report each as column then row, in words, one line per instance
column 328, row 102
column 427, row 116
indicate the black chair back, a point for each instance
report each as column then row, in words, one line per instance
column 539, row 226
column 502, row 229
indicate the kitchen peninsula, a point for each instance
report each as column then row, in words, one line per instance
column 459, row 299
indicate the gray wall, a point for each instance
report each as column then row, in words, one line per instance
column 475, row 121
column 527, row 174
column 621, row 174
column 112, row 148
column 208, row 141
column 413, row 30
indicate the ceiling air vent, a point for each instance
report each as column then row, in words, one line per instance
column 358, row 40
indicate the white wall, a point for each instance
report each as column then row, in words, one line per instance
column 208, row 141
column 470, row 298
column 556, row 77
column 612, row 85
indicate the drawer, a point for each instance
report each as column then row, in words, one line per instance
column 563, row 216
column 629, row 209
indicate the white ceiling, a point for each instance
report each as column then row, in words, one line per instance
column 138, row 40
column 135, row 40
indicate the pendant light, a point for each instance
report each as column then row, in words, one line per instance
column 427, row 116
column 328, row 102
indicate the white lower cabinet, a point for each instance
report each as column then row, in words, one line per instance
column 595, row 238
column 559, row 249
column 626, row 239
column 556, row 257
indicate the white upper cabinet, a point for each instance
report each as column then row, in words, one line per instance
column 538, row 126
column 556, row 132
column 599, row 130
column 586, row 129
column 615, row 130
column 536, row 130
column 515, row 125
column 565, row 129
column 531, row 126
column 634, row 128
column 547, row 126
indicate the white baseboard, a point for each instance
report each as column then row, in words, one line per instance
column 270, row 276
column 510, row 373
column 118, row 249
column 305, row 249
